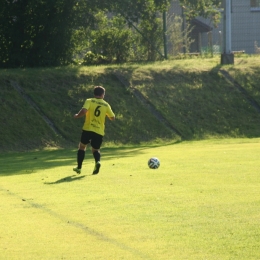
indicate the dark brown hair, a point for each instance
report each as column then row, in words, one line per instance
column 99, row 91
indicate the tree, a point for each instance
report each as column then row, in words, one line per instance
column 36, row 32
column 46, row 33
column 144, row 15
column 111, row 41
column 152, row 34
column 179, row 37
column 130, row 9
column 204, row 8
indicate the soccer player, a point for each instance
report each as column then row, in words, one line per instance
column 95, row 110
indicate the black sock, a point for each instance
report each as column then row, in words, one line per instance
column 97, row 156
column 80, row 157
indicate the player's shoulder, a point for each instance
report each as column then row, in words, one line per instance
column 90, row 100
column 105, row 102
column 101, row 101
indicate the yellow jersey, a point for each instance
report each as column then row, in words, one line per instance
column 97, row 110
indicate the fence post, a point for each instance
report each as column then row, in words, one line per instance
column 165, row 35
column 227, row 57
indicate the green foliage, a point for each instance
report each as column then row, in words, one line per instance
column 134, row 9
column 94, row 59
column 111, row 38
column 204, row 8
column 152, row 40
column 178, row 37
column 50, row 33
column 36, row 33
column 113, row 41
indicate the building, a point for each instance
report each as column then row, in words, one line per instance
column 245, row 28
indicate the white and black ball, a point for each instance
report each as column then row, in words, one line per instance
column 153, row 163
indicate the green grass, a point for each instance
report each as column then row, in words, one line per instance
column 192, row 95
column 202, row 203
column 248, row 77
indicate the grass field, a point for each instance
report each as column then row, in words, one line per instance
column 192, row 96
column 202, row 203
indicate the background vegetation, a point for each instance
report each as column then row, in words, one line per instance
column 189, row 102
column 36, row 33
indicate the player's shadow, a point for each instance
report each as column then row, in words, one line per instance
column 66, row 179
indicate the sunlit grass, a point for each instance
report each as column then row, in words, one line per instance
column 191, row 95
column 202, row 203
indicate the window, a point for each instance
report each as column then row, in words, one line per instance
column 255, row 5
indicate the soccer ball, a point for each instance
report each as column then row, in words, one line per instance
column 153, row 163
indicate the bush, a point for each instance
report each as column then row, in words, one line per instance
column 94, row 59
column 110, row 41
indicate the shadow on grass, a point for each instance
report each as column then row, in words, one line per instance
column 31, row 162
column 66, row 179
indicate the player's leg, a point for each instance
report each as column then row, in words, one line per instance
column 96, row 144
column 96, row 155
column 81, row 151
column 80, row 157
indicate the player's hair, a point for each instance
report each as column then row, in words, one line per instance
column 99, row 91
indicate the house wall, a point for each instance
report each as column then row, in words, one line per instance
column 245, row 28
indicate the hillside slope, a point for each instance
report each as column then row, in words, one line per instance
column 195, row 102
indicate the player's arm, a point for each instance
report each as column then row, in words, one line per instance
column 110, row 114
column 81, row 113
column 112, row 118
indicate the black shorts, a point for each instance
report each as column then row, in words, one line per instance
column 92, row 138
